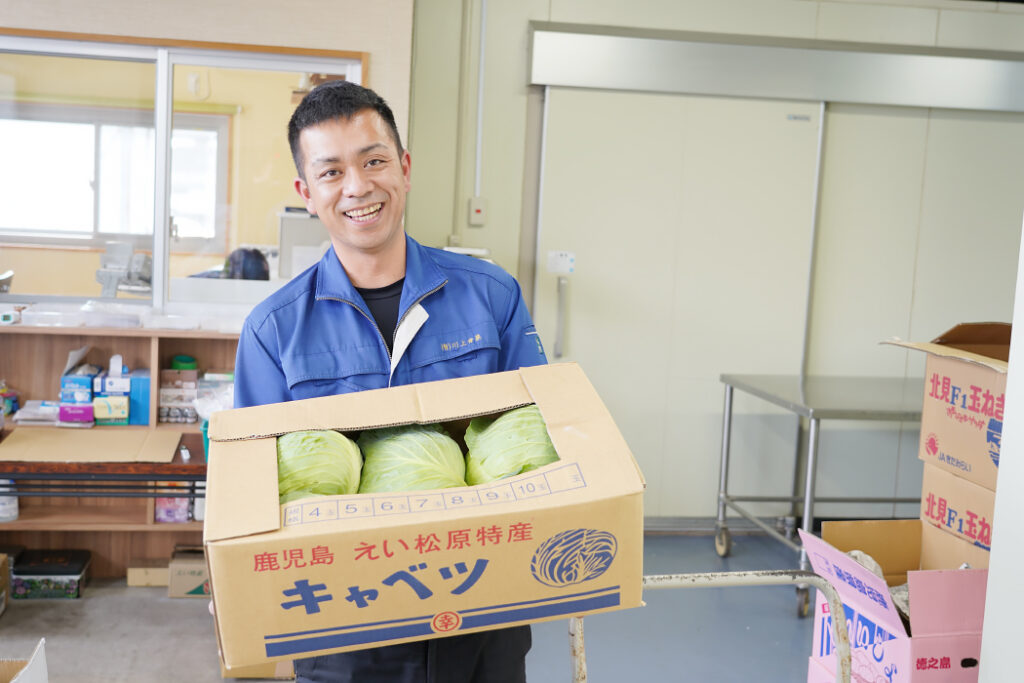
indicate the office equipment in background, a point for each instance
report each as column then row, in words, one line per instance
column 302, row 240
column 124, row 270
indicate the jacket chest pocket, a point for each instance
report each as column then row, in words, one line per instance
column 328, row 373
column 461, row 353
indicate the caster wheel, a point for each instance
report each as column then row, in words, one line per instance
column 723, row 542
column 803, row 602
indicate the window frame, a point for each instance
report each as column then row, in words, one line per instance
column 98, row 116
column 167, row 54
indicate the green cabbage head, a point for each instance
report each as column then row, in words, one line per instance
column 316, row 463
column 410, row 458
column 514, row 443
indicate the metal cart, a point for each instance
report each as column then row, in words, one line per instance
column 723, row 579
column 816, row 399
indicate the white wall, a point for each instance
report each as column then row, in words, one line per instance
column 897, row 205
column 1001, row 636
column 445, row 79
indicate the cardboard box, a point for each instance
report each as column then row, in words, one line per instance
column 110, row 410
column 147, row 572
column 32, row 670
column 79, row 377
column 957, row 506
column 75, row 412
column 947, row 605
column 79, row 396
column 186, row 574
column 817, row 672
column 343, row 573
column 138, row 398
column 179, row 379
column 275, row 670
column 113, row 385
column 964, row 393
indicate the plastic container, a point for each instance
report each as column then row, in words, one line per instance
column 105, row 314
column 53, row 315
column 182, row 362
column 8, row 504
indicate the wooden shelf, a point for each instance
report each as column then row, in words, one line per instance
column 90, row 518
column 117, row 529
column 183, row 427
column 86, row 331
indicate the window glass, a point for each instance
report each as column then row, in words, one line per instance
column 38, row 157
column 249, row 197
column 80, row 155
column 76, row 168
column 126, row 170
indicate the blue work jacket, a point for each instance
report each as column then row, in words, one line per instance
column 458, row 316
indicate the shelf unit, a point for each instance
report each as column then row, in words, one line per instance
column 116, row 529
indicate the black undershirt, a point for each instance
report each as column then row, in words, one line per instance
column 383, row 304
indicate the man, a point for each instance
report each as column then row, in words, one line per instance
column 381, row 310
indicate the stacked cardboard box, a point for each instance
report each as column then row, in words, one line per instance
column 76, row 391
column 121, row 396
column 961, row 428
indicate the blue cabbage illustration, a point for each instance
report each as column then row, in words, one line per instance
column 573, row 556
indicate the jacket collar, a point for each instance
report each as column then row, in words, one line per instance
column 422, row 276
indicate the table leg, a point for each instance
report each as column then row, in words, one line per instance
column 723, row 540
column 723, row 477
column 810, row 476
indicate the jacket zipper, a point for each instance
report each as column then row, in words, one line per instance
column 374, row 322
column 416, row 303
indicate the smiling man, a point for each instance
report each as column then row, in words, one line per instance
column 381, row 310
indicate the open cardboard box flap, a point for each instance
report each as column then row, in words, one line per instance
column 32, row 670
column 244, row 472
column 933, row 617
column 986, row 344
column 892, row 543
column 409, row 404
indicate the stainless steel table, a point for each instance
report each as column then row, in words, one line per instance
column 816, row 399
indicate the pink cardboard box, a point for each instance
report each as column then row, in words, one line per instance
column 943, row 643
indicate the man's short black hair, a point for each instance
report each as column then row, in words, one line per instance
column 336, row 100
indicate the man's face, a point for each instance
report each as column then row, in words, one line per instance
column 356, row 181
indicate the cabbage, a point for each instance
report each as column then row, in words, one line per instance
column 514, row 443
column 316, row 463
column 410, row 458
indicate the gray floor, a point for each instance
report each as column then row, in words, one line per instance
column 115, row 633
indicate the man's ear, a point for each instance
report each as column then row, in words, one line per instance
column 407, row 169
column 303, row 189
